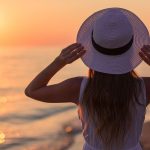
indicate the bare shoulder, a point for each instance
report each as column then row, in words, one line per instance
column 71, row 90
column 147, row 86
column 76, row 83
column 76, row 80
column 67, row 90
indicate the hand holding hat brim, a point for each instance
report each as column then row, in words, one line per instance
column 113, row 64
column 145, row 53
column 71, row 53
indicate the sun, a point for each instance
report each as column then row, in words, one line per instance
column 5, row 27
column 3, row 22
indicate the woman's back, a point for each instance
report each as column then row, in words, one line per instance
column 132, row 138
column 114, row 41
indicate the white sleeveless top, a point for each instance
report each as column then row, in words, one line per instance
column 132, row 141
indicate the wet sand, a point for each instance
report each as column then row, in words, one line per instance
column 145, row 137
column 78, row 139
column 70, row 138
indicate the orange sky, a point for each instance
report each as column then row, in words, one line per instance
column 48, row 22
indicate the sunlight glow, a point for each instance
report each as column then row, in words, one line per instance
column 3, row 99
column 2, row 137
column 2, row 22
column 54, row 23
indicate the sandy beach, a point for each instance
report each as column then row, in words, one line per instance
column 26, row 124
column 76, row 140
column 145, row 137
column 71, row 137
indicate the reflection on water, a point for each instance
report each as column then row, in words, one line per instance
column 27, row 124
column 68, row 129
column 2, row 137
column 3, row 99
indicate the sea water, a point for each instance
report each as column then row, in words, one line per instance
column 26, row 124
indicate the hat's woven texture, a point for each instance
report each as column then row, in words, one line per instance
column 113, row 64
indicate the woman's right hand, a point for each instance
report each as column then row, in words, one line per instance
column 145, row 53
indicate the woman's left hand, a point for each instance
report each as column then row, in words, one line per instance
column 145, row 53
column 71, row 53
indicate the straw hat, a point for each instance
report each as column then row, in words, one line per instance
column 112, row 38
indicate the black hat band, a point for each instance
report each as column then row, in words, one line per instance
column 112, row 51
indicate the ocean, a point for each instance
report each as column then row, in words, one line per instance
column 27, row 124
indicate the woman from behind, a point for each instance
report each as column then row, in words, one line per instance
column 113, row 97
column 112, row 110
column 112, row 100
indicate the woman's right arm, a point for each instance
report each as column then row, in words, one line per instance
column 145, row 55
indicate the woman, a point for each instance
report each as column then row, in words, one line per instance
column 112, row 100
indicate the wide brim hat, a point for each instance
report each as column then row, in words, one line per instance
column 112, row 30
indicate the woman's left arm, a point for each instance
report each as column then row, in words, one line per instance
column 38, row 88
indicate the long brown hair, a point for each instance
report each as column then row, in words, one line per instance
column 108, row 100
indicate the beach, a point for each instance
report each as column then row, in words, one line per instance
column 75, row 139
column 70, row 136
column 27, row 124
column 145, row 138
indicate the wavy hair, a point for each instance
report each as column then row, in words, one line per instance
column 109, row 100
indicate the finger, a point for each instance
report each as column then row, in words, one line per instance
column 69, row 52
column 146, row 53
column 75, row 52
column 144, row 57
column 146, row 48
column 70, row 60
column 71, row 47
column 78, row 55
column 74, row 45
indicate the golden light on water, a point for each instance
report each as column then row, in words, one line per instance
column 68, row 129
column 3, row 99
column 2, row 137
column 3, row 23
column 6, row 24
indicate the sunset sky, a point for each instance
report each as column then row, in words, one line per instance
column 48, row 22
